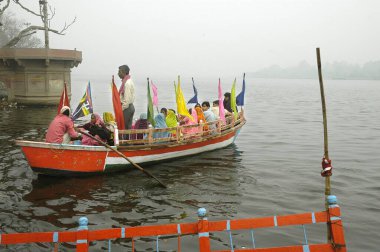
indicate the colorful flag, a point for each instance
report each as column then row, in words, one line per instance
column 233, row 99
column 222, row 115
column 85, row 104
column 181, row 104
column 64, row 101
column 240, row 97
column 118, row 110
column 150, row 111
column 194, row 115
column 155, row 94
column 195, row 98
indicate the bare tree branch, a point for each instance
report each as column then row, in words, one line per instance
column 5, row 6
column 27, row 9
column 26, row 32
column 52, row 12
column 67, row 26
column 32, row 28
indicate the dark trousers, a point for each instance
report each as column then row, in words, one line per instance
column 128, row 116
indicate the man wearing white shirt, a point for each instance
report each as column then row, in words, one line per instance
column 127, row 95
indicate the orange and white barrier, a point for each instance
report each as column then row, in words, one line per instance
column 82, row 237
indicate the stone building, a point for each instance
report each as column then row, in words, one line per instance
column 35, row 76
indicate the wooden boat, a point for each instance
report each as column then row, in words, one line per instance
column 70, row 159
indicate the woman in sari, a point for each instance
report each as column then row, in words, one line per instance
column 141, row 123
column 97, row 128
column 171, row 121
column 201, row 117
column 160, row 124
column 186, row 121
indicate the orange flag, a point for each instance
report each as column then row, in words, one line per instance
column 119, row 117
column 64, row 101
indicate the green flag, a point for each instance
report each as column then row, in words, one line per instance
column 233, row 100
column 150, row 108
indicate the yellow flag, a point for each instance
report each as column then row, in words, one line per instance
column 233, row 100
column 181, row 103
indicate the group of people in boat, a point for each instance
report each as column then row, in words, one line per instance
column 62, row 130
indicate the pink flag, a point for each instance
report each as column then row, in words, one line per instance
column 221, row 106
column 155, row 94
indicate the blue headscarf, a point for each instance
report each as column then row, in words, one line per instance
column 160, row 124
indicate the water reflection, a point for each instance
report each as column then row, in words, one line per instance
column 131, row 198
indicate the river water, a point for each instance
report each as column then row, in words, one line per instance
column 272, row 169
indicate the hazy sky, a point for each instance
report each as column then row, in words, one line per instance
column 213, row 38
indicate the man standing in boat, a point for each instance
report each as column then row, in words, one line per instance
column 127, row 95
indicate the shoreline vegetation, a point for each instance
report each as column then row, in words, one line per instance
column 333, row 71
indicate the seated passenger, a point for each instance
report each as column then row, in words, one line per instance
column 98, row 129
column 209, row 115
column 141, row 123
column 201, row 117
column 110, row 123
column 215, row 109
column 171, row 120
column 160, row 124
column 61, row 129
column 185, row 120
column 164, row 111
column 227, row 102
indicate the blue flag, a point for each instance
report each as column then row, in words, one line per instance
column 240, row 97
column 85, row 104
column 195, row 98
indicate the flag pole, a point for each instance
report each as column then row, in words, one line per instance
column 325, row 137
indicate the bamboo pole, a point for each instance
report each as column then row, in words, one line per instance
column 325, row 137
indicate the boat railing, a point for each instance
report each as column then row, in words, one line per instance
column 83, row 237
column 179, row 134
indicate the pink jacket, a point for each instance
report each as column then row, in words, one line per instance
column 58, row 127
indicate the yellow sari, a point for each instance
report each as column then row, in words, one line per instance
column 171, row 120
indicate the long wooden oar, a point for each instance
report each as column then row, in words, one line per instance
column 122, row 155
column 326, row 144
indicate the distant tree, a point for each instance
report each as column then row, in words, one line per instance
column 11, row 27
column 29, row 29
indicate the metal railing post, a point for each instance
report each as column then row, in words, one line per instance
column 203, row 233
column 336, row 226
column 82, row 235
